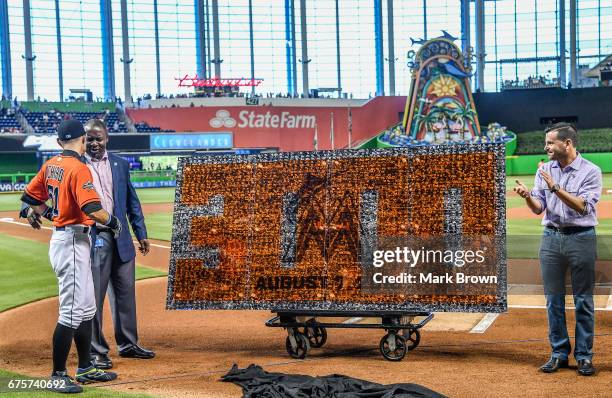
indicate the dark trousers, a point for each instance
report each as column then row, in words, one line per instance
column 118, row 278
column 577, row 252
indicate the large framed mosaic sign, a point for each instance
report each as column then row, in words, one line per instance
column 397, row 229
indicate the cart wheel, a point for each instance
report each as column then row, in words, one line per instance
column 413, row 338
column 297, row 349
column 317, row 335
column 393, row 347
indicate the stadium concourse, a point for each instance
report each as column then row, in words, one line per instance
column 461, row 355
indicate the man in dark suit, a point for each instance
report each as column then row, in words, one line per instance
column 113, row 260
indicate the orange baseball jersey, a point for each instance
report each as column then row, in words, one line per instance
column 68, row 183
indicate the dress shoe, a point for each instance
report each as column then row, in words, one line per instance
column 101, row 361
column 554, row 364
column 136, row 351
column 585, row 367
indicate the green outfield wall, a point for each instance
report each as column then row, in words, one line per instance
column 13, row 163
column 528, row 164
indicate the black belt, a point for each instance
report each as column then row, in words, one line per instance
column 75, row 228
column 569, row 230
column 103, row 229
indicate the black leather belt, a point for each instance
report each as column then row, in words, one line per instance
column 103, row 229
column 569, row 230
column 75, row 228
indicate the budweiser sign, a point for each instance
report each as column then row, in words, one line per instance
column 195, row 81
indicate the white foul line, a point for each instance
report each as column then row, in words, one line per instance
column 350, row 321
column 484, row 323
column 11, row 221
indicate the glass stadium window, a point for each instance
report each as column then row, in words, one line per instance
column 269, row 43
column 18, row 70
column 234, row 40
column 357, row 48
column 81, row 45
column 141, row 32
column 520, row 44
column 594, row 31
column 321, row 21
column 407, row 24
column 176, row 42
column 446, row 15
column 605, row 27
column 44, row 47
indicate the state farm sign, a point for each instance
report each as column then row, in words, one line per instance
column 254, row 119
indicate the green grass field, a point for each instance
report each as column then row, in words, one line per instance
column 89, row 392
column 10, row 202
column 26, row 275
column 156, row 195
column 529, row 179
column 159, row 226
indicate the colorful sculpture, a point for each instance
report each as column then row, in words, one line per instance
column 440, row 108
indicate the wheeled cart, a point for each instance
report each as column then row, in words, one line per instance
column 306, row 331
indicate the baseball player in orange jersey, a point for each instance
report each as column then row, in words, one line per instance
column 66, row 182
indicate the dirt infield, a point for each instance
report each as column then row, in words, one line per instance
column 195, row 348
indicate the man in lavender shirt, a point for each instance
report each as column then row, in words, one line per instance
column 566, row 191
column 113, row 259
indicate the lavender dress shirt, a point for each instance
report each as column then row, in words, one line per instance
column 102, row 180
column 580, row 178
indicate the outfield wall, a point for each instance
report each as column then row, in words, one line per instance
column 528, row 164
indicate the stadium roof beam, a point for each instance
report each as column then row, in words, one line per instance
column 108, row 57
column 304, row 60
column 480, row 44
column 465, row 26
column 573, row 69
column 378, row 42
column 251, row 44
column 425, row 19
column 217, row 61
column 126, row 60
column 338, row 70
column 5, row 50
column 290, row 59
column 28, row 57
column 58, row 38
column 200, row 10
column 562, row 70
column 157, row 67
column 391, row 46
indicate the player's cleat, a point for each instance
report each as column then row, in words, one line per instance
column 62, row 383
column 92, row 374
column 136, row 351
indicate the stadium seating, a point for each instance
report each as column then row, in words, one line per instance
column 143, row 127
column 47, row 122
column 8, row 122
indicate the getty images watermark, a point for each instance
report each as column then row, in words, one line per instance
column 448, row 265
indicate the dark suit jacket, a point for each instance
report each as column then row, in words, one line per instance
column 126, row 206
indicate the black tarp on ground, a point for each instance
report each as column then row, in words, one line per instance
column 257, row 383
